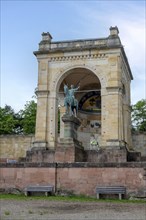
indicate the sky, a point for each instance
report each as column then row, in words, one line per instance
column 23, row 22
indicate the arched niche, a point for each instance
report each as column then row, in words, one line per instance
column 89, row 99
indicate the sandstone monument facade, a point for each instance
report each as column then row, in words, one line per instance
column 102, row 69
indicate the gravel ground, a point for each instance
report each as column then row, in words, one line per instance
column 61, row 210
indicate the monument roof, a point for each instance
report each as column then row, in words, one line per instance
column 47, row 46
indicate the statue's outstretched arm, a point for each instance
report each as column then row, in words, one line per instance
column 76, row 88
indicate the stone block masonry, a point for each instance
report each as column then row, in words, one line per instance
column 12, row 147
column 15, row 146
column 80, row 178
column 139, row 142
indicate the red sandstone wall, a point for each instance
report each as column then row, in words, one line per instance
column 85, row 180
column 80, row 180
column 22, row 177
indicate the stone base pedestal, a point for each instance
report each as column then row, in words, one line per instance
column 111, row 143
column 107, row 155
column 39, row 145
column 134, row 156
column 71, row 125
column 40, row 155
column 69, row 150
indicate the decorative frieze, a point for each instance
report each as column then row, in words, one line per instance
column 78, row 57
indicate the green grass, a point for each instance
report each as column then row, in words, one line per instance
column 72, row 198
column 30, row 212
column 7, row 212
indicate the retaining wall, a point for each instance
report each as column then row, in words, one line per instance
column 139, row 142
column 15, row 146
column 79, row 178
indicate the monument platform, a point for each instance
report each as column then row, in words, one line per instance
column 69, row 150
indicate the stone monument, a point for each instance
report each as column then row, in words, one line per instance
column 102, row 103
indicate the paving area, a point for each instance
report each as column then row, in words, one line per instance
column 11, row 209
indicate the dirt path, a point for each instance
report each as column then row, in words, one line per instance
column 61, row 210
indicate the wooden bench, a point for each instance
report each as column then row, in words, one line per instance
column 37, row 188
column 120, row 190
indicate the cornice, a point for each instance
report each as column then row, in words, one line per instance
column 78, row 57
column 41, row 92
column 49, row 50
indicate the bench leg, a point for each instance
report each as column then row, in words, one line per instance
column 46, row 193
column 97, row 196
column 120, row 196
column 26, row 193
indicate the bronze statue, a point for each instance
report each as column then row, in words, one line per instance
column 70, row 102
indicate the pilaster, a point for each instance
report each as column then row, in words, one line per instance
column 41, row 122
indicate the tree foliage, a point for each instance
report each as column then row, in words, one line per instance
column 28, row 116
column 22, row 122
column 139, row 115
column 9, row 121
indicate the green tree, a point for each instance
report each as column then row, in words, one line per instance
column 139, row 115
column 28, row 116
column 22, row 122
column 9, row 121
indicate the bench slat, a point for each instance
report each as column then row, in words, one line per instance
column 41, row 188
column 35, row 188
column 111, row 190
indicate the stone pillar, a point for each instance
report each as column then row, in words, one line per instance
column 41, row 125
column 103, row 117
column 112, row 131
column 52, row 120
column 42, row 93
